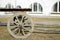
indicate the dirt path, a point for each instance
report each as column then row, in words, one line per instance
column 4, row 35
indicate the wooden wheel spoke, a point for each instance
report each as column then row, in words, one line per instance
column 27, row 29
column 19, row 22
column 27, row 24
column 17, row 19
column 19, row 32
column 13, row 28
column 23, row 32
column 16, row 30
column 15, row 22
column 24, row 19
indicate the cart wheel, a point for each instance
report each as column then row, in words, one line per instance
column 21, row 26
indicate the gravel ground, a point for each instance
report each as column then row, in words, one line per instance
column 4, row 35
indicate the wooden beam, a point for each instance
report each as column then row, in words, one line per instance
column 4, row 9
